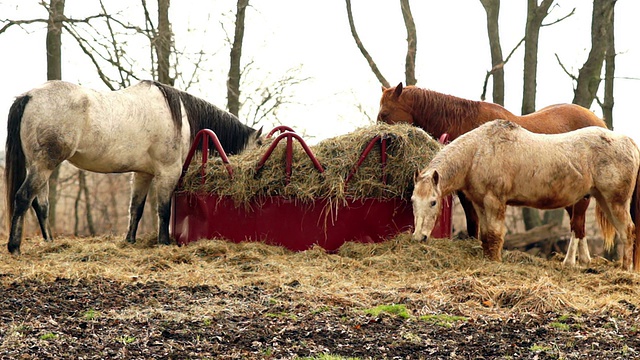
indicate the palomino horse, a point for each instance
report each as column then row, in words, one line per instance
column 146, row 129
column 500, row 163
column 438, row 113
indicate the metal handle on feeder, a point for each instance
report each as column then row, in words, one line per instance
column 382, row 139
column 203, row 136
column 289, row 154
column 281, row 128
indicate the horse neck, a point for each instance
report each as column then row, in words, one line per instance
column 231, row 132
column 452, row 163
column 439, row 113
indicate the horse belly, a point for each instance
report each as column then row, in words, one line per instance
column 110, row 163
column 547, row 195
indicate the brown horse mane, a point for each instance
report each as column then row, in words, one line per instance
column 438, row 113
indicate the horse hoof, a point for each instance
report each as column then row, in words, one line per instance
column 14, row 250
column 131, row 241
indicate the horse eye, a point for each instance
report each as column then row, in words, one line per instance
column 433, row 203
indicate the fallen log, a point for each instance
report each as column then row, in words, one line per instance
column 547, row 234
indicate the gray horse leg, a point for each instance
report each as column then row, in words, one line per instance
column 164, row 215
column 33, row 184
column 140, row 187
column 41, row 206
column 165, row 185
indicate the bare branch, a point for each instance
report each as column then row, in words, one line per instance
column 573, row 77
column 362, row 49
column 573, row 11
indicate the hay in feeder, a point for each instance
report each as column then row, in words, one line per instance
column 408, row 149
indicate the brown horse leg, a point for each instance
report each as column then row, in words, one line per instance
column 470, row 214
column 578, row 242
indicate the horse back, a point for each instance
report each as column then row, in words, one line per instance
column 560, row 118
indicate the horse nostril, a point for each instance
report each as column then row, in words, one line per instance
column 424, row 238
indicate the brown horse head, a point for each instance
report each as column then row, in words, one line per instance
column 395, row 108
column 434, row 112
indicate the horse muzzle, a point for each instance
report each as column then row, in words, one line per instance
column 419, row 237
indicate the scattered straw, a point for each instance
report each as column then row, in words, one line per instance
column 441, row 274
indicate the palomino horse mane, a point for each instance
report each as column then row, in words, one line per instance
column 231, row 132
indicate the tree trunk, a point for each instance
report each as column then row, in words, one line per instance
column 591, row 72
column 233, row 83
column 82, row 179
column 535, row 14
column 164, row 43
column 492, row 8
column 54, row 72
column 609, row 74
column 363, row 50
column 412, row 43
column 607, row 104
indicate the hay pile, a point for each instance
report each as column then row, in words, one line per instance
column 408, row 148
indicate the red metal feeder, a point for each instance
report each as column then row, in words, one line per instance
column 286, row 222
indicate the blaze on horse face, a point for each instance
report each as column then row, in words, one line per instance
column 393, row 108
column 426, row 200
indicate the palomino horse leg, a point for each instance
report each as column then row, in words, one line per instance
column 33, row 184
column 471, row 215
column 620, row 217
column 492, row 227
column 578, row 242
column 140, row 187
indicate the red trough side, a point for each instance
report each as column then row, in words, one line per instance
column 282, row 222
column 285, row 222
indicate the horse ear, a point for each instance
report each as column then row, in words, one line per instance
column 383, row 88
column 259, row 132
column 416, row 176
column 435, row 178
column 398, row 90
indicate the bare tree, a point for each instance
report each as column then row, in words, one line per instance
column 535, row 15
column 412, row 45
column 163, row 44
column 590, row 74
column 492, row 9
column 609, row 74
column 83, row 190
column 233, row 82
column 54, row 72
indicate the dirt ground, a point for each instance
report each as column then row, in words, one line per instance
column 99, row 299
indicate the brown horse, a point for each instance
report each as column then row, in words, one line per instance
column 500, row 163
column 439, row 113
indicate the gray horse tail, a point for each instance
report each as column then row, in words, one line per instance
column 15, row 167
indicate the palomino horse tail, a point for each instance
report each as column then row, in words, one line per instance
column 635, row 216
column 607, row 228
column 15, row 166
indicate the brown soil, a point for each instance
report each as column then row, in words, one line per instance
column 99, row 298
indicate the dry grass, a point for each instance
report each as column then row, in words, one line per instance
column 409, row 149
column 443, row 273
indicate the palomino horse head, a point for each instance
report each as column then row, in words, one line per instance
column 427, row 200
column 393, row 107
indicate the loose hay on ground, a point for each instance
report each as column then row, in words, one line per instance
column 425, row 277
